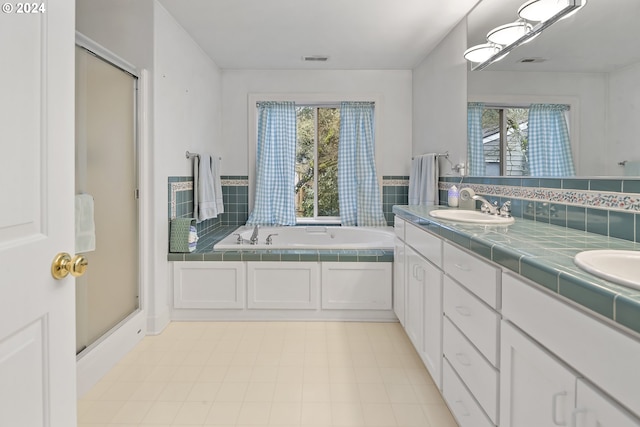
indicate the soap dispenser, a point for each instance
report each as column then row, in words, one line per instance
column 452, row 196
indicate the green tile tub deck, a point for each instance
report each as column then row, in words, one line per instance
column 205, row 252
column 543, row 253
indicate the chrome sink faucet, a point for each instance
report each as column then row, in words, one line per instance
column 486, row 205
column 254, row 235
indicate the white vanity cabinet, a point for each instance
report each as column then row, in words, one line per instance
column 399, row 271
column 424, row 311
column 471, row 332
column 536, row 389
column 593, row 409
column 420, row 297
column 567, row 364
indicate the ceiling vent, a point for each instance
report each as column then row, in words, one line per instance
column 531, row 60
column 315, row 58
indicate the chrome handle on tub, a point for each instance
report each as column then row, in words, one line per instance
column 554, row 408
column 269, row 239
column 239, row 240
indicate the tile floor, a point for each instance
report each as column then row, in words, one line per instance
column 268, row 373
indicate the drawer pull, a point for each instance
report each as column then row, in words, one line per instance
column 554, row 408
column 463, row 359
column 462, row 267
column 463, row 310
column 463, row 409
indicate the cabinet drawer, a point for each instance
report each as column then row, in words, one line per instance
column 426, row 244
column 479, row 376
column 475, row 319
column 464, row 408
column 476, row 274
column 398, row 227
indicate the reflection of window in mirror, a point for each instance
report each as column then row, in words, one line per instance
column 505, row 141
column 500, row 144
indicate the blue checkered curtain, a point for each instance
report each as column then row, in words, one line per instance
column 475, row 135
column 275, row 165
column 549, row 144
column 358, row 191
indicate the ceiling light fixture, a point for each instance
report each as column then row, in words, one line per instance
column 505, row 38
column 508, row 33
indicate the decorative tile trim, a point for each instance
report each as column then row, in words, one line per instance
column 623, row 202
column 395, row 183
column 234, row 182
column 175, row 187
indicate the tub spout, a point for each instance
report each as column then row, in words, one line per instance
column 254, row 235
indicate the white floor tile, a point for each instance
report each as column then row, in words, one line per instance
column 277, row 374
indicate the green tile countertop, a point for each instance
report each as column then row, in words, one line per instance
column 544, row 254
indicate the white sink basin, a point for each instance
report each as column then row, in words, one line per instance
column 475, row 217
column 618, row 266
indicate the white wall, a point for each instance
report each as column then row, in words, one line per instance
column 439, row 100
column 623, row 142
column 187, row 92
column 586, row 92
column 393, row 113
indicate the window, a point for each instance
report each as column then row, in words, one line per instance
column 318, row 134
column 505, row 141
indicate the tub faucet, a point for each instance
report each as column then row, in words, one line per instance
column 486, row 205
column 254, row 235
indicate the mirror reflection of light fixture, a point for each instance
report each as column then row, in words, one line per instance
column 509, row 33
column 560, row 9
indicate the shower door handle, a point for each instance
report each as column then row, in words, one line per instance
column 63, row 265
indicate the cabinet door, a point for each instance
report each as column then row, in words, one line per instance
column 399, row 285
column 414, row 316
column 536, row 390
column 432, row 330
column 594, row 409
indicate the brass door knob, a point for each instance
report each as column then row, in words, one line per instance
column 63, row 264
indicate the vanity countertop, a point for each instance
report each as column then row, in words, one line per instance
column 544, row 254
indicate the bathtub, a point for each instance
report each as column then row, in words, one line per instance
column 311, row 237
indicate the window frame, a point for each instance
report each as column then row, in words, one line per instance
column 302, row 99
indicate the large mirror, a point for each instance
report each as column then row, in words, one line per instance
column 589, row 61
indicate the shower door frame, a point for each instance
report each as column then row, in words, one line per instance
column 101, row 356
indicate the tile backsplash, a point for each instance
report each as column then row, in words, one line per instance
column 395, row 191
column 235, row 195
column 610, row 207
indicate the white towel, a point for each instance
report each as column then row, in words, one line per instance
column 85, row 225
column 207, row 191
column 423, row 181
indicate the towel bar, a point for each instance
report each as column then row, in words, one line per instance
column 190, row 155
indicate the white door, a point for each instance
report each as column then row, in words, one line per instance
column 37, row 336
